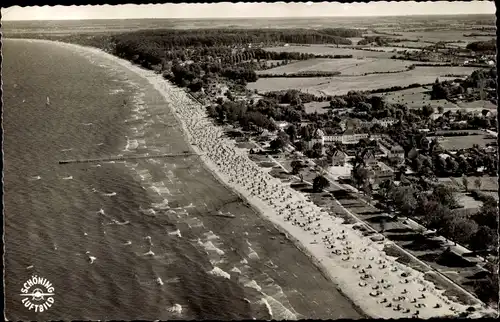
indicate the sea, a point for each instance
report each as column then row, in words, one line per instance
column 137, row 238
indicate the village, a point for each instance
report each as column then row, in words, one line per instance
column 433, row 179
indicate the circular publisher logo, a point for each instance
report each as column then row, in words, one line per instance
column 37, row 294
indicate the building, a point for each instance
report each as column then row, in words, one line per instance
column 385, row 122
column 391, row 148
column 381, row 173
column 281, row 125
column 318, row 137
column 368, row 158
column 339, row 158
column 348, row 137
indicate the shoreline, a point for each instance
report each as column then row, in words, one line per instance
column 339, row 272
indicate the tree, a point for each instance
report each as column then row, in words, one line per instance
column 292, row 132
column 300, row 145
column 488, row 214
column 196, row 85
column 360, row 175
column 427, row 111
column 404, row 199
column 465, row 183
column 445, row 195
column 278, row 144
column 317, row 150
column 320, row 183
column 211, row 111
column 436, row 216
column 367, row 189
column 439, row 91
column 384, row 188
column 460, row 229
column 305, row 134
column 477, row 183
column 296, row 166
column 484, row 238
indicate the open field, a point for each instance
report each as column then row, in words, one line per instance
column 330, row 50
column 391, row 49
column 488, row 183
column 477, row 106
column 319, row 107
column 347, row 66
column 416, row 98
column 339, row 85
column 411, row 44
column 489, row 186
column 440, row 35
column 464, row 142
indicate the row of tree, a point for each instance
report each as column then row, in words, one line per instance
column 435, row 211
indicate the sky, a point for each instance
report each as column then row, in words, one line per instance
column 247, row 10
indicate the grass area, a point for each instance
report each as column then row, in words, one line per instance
column 440, row 35
column 487, row 183
column 411, row 44
column 416, row 98
column 464, row 142
column 339, row 85
column 330, row 50
column 347, row 66
column 319, row 107
column 478, row 106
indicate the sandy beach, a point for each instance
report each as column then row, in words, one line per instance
column 375, row 282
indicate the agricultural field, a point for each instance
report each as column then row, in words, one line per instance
column 416, row 98
column 440, row 35
column 412, row 44
column 339, row 85
column 453, row 143
column 330, row 50
column 347, row 66
column 477, row 106
column 390, row 49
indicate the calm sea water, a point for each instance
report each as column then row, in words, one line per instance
column 135, row 240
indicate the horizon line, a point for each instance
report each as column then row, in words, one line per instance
column 275, row 17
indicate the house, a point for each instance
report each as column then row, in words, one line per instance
column 281, row 125
column 317, row 137
column 381, row 173
column 385, row 122
column 339, row 158
column 368, row 158
column 391, row 148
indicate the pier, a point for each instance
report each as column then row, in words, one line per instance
column 130, row 157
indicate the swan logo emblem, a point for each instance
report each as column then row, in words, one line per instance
column 37, row 294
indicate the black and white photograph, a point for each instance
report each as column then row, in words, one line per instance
column 250, row 161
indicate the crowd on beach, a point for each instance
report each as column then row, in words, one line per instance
column 387, row 287
column 375, row 282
